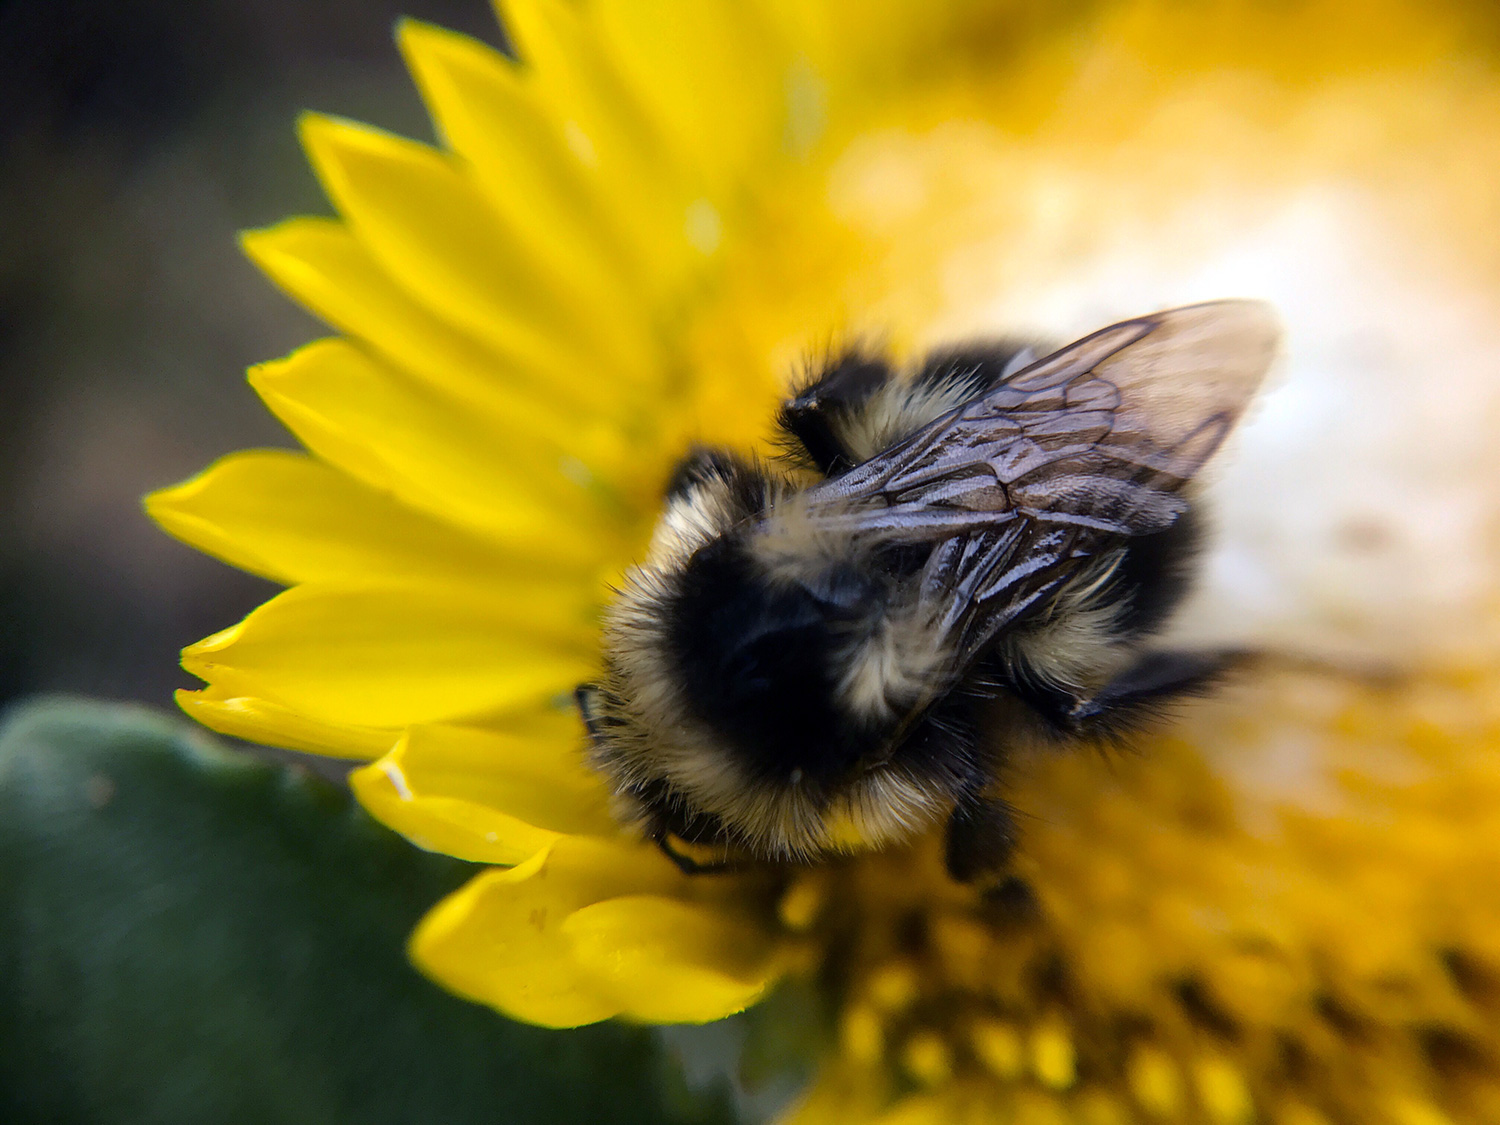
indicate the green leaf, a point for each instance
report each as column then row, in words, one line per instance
column 189, row 934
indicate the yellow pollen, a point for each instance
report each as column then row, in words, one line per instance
column 1052, row 1058
column 1155, row 1081
column 862, row 1034
column 927, row 1058
column 894, row 986
column 1222, row 1092
column 803, row 901
column 998, row 1047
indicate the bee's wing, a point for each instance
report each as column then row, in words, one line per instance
column 1020, row 486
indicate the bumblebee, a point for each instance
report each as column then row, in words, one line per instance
column 835, row 649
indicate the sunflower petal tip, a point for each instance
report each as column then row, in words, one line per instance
column 259, row 375
column 310, row 122
column 415, row 39
column 326, row 137
column 160, row 501
column 443, row 43
column 216, row 643
column 166, row 508
column 167, row 502
column 199, row 704
column 412, row 32
column 254, row 241
column 262, row 376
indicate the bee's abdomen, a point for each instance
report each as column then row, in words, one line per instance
column 759, row 661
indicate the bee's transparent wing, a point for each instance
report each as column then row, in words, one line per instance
column 1019, row 487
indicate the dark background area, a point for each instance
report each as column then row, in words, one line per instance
column 136, row 138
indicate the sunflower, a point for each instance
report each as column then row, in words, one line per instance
column 1286, row 906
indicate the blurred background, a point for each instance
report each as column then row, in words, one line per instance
column 136, row 138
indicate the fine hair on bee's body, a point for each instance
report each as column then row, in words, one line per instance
column 835, row 649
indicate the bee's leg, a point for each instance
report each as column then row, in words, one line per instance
column 1155, row 681
column 980, row 838
column 1133, row 698
column 690, row 866
column 815, row 416
column 1010, row 902
column 674, row 834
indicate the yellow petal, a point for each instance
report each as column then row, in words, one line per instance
column 256, row 720
column 486, row 795
column 648, row 193
column 437, row 237
column 709, row 75
column 851, row 49
column 451, row 826
column 672, row 961
column 524, row 157
column 573, row 409
column 392, row 655
column 539, row 776
column 431, row 453
column 295, row 519
column 499, row 939
column 322, row 265
column 540, row 189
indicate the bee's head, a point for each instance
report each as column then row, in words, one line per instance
column 726, row 711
